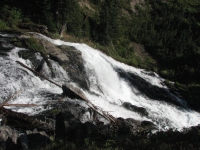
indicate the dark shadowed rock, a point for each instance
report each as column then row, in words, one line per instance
column 147, row 125
column 150, row 90
column 134, row 108
column 8, row 137
column 75, row 66
column 67, row 125
column 32, row 56
column 23, row 122
column 37, row 138
column 34, row 27
column 73, row 92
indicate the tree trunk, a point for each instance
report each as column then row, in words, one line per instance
column 63, row 28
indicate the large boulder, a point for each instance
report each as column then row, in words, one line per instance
column 73, row 92
column 37, row 138
column 134, row 108
column 70, row 59
column 54, row 52
column 75, row 66
column 67, row 125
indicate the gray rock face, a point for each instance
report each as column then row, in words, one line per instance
column 70, row 59
column 75, row 66
column 54, row 52
column 134, row 108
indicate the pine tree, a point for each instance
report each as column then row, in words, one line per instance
column 69, row 16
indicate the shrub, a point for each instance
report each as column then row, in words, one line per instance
column 10, row 15
column 2, row 25
column 34, row 45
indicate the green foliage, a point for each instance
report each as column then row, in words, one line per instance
column 69, row 15
column 109, row 16
column 2, row 25
column 35, row 45
column 169, row 32
column 9, row 15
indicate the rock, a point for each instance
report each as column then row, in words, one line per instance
column 8, row 137
column 67, row 125
column 73, row 92
column 23, row 37
column 75, row 66
column 37, row 138
column 147, row 125
column 24, row 141
column 54, row 52
column 34, row 27
column 33, row 57
column 3, row 119
column 90, row 129
column 134, row 108
column 24, row 122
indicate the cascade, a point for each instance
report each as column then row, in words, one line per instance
column 111, row 84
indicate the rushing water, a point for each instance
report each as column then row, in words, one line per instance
column 111, row 84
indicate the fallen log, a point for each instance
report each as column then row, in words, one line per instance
column 39, row 74
column 6, row 101
column 22, row 105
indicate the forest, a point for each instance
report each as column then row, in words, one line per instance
column 169, row 30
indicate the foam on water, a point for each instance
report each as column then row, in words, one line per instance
column 15, row 78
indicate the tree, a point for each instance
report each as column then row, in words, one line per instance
column 69, row 16
column 109, row 17
column 11, row 16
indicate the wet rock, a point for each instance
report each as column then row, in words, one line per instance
column 54, row 52
column 134, row 108
column 8, row 138
column 3, row 119
column 75, row 66
column 73, row 92
column 149, row 90
column 147, row 125
column 34, row 57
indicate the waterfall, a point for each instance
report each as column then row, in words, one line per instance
column 111, row 84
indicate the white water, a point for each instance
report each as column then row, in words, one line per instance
column 111, row 90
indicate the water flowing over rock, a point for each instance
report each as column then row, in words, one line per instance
column 131, row 107
column 108, row 84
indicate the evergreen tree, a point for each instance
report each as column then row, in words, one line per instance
column 109, row 17
column 69, row 16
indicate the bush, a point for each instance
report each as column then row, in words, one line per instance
column 34, row 45
column 10, row 15
column 2, row 25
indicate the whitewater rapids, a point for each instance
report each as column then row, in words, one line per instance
column 108, row 90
